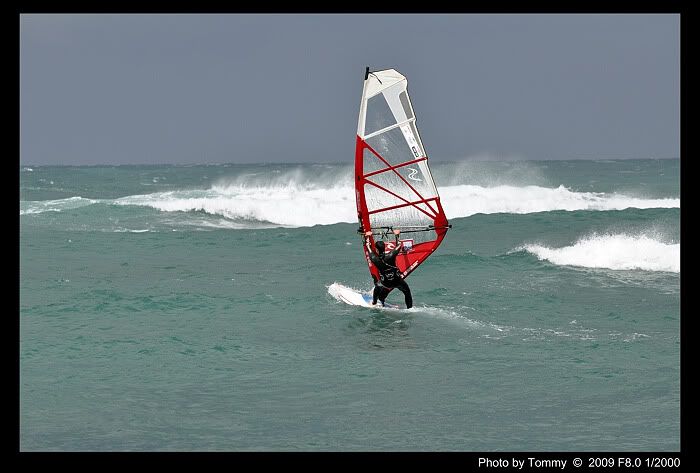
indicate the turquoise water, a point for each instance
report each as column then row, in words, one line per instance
column 187, row 308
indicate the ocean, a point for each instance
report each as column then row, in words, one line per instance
column 186, row 308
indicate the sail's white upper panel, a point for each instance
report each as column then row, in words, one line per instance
column 385, row 104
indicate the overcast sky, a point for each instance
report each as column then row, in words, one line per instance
column 125, row 89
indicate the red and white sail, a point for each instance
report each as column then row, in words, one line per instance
column 394, row 188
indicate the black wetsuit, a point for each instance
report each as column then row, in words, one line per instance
column 390, row 276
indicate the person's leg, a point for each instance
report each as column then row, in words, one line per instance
column 382, row 294
column 376, row 294
column 403, row 287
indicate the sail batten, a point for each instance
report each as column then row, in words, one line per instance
column 391, row 168
column 389, row 128
column 394, row 186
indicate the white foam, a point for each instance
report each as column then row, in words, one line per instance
column 466, row 200
column 614, row 251
column 286, row 203
column 456, row 315
column 292, row 206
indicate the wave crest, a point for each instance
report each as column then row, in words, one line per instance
column 614, row 251
column 296, row 204
column 41, row 206
column 466, row 200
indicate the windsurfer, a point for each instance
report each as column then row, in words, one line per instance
column 389, row 274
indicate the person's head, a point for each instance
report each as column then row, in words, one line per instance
column 380, row 247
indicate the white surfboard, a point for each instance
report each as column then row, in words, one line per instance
column 352, row 297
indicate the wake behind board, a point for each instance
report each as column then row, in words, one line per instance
column 352, row 297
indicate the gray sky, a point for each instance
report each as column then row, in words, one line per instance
column 181, row 88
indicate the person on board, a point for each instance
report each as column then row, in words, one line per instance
column 389, row 274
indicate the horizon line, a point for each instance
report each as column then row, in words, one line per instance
column 297, row 163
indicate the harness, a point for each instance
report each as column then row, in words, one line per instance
column 389, row 273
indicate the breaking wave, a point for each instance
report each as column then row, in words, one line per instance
column 614, row 251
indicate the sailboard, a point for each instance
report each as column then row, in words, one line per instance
column 394, row 188
column 354, row 297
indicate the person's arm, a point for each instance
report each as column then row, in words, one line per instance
column 399, row 245
column 372, row 255
column 367, row 243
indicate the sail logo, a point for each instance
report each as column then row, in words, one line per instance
column 390, row 246
column 412, row 176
